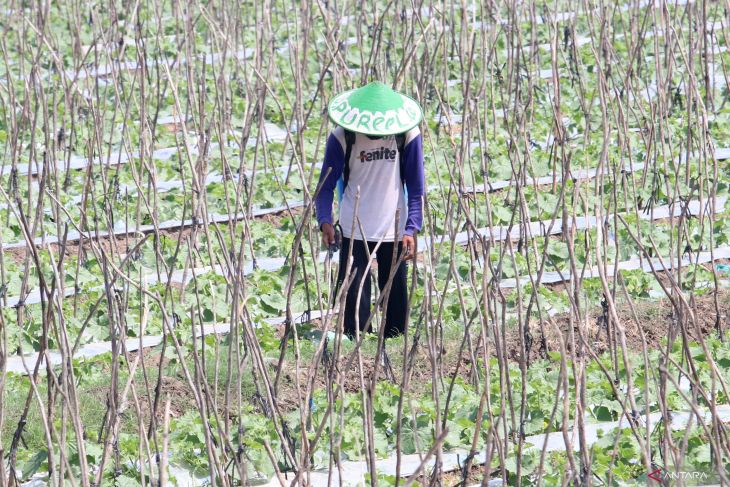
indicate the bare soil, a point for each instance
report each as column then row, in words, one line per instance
column 455, row 478
column 653, row 322
column 277, row 219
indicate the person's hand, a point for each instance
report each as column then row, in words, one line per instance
column 409, row 246
column 328, row 234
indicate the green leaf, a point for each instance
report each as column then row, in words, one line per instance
column 555, row 356
column 503, row 214
column 703, row 454
column 34, row 464
column 558, row 250
column 381, row 443
column 603, row 413
column 274, row 301
column 124, row 481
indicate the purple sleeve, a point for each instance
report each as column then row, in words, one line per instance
column 415, row 184
column 334, row 162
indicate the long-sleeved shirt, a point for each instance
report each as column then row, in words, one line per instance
column 375, row 174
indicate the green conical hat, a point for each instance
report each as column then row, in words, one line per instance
column 375, row 109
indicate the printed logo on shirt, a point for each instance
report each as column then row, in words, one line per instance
column 380, row 154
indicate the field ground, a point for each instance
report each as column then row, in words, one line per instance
column 167, row 311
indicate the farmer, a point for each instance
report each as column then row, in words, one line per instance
column 375, row 153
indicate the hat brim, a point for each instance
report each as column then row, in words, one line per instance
column 390, row 122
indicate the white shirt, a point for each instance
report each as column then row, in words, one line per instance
column 375, row 177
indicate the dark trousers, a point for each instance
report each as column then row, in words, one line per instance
column 397, row 311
